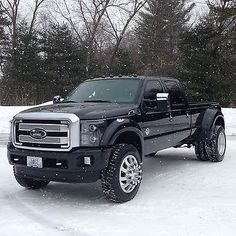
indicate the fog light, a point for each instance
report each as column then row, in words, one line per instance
column 93, row 128
column 93, row 139
column 87, row 161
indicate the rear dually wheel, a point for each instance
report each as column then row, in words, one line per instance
column 212, row 149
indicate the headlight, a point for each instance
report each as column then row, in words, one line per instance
column 91, row 133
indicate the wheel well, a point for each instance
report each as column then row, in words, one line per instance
column 220, row 121
column 130, row 138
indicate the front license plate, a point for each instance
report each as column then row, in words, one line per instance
column 36, row 162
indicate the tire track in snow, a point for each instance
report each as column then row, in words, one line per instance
column 17, row 205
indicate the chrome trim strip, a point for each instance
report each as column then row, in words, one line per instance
column 46, row 140
column 46, row 116
column 46, row 127
column 162, row 96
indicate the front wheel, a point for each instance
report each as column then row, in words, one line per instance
column 122, row 178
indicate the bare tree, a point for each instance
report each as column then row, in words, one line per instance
column 65, row 11
column 96, row 13
column 11, row 8
column 37, row 5
column 136, row 6
column 90, row 16
column 13, row 83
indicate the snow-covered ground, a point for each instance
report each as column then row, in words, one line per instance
column 230, row 119
column 179, row 196
column 6, row 114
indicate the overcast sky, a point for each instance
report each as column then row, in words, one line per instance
column 26, row 6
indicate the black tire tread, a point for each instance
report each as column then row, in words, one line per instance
column 108, row 175
column 200, row 151
column 211, row 147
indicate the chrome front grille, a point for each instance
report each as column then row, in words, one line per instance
column 47, row 140
column 46, row 127
column 57, row 129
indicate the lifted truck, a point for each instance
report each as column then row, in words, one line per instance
column 105, row 128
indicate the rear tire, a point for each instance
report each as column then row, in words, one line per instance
column 200, row 151
column 29, row 182
column 212, row 149
column 216, row 145
column 122, row 178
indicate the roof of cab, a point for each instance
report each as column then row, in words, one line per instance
column 142, row 77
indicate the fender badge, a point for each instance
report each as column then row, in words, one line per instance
column 120, row 120
column 147, row 131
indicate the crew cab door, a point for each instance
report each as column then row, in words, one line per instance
column 180, row 119
column 156, row 123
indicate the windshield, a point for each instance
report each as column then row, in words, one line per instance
column 107, row 90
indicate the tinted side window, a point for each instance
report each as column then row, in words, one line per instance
column 152, row 88
column 177, row 97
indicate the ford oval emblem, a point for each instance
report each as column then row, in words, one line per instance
column 38, row 133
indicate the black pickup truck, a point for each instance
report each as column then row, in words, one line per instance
column 105, row 128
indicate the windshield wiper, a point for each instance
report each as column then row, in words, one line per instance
column 103, row 101
column 68, row 101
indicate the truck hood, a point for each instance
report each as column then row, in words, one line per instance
column 87, row 111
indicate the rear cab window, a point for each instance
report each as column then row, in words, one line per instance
column 150, row 94
column 177, row 96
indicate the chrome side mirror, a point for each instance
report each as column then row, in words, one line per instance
column 162, row 96
column 57, row 99
column 163, row 101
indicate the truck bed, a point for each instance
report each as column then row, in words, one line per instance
column 203, row 105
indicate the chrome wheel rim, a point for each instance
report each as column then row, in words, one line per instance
column 130, row 174
column 221, row 143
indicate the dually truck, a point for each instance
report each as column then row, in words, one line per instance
column 105, row 128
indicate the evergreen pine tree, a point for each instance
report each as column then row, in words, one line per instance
column 22, row 79
column 64, row 60
column 3, row 36
column 124, row 63
column 158, row 31
column 208, row 56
